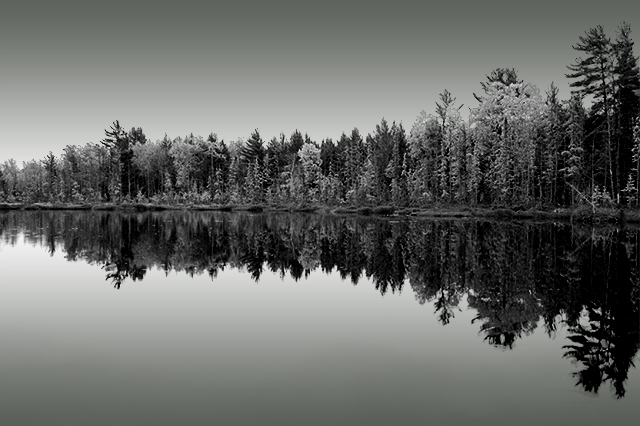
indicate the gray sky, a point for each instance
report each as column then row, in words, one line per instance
column 68, row 69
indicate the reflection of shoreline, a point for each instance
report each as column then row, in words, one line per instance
column 579, row 214
column 512, row 274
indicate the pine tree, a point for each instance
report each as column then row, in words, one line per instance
column 117, row 144
column 451, row 149
column 356, row 154
column 548, row 158
column 594, row 74
column 253, row 149
column 11, row 172
column 366, row 188
column 573, row 155
column 396, row 166
column 633, row 182
column 255, row 182
column 295, row 142
column 236, row 181
column 310, row 162
column 627, row 103
column 506, row 76
column 423, row 147
column 3, row 186
column 184, row 154
column 51, row 169
column 380, row 148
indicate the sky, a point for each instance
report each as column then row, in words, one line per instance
column 68, row 69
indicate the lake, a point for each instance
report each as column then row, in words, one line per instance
column 193, row 318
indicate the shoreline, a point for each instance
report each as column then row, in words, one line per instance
column 578, row 214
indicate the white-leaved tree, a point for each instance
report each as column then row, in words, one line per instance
column 506, row 126
column 310, row 163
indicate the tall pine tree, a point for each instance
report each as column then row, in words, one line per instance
column 593, row 76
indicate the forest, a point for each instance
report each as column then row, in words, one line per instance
column 517, row 149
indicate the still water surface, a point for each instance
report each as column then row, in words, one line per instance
column 230, row 318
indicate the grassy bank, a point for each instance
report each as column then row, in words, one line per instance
column 579, row 214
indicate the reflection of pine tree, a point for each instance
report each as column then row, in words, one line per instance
column 504, row 294
column 436, row 258
column 606, row 338
column 556, row 281
column 253, row 261
column 122, row 264
column 349, row 257
column 591, row 348
column 423, row 266
column 251, row 253
column 379, row 259
column 504, row 317
column 447, row 298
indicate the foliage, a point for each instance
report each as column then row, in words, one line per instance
column 517, row 149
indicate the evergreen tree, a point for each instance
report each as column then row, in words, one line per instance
column 118, row 168
column 295, row 142
column 627, row 102
column 505, row 76
column 423, row 148
column 311, row 167
column 594, row 77
column 236, row 181
column 632, row 189
column 548, row 152
column 355, row 158
column 380, row 148
column 328, row 155
column 253, row 149
column 167, row 165
column 11, row 171
column 51, row 169
column 3, row 186
column 396, row 166
column 451, row 161
column 184, row 154
column 573, row 156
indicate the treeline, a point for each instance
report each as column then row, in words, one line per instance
column 516, row 276
column 518, row 148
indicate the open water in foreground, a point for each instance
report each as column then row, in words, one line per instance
column 229, row 318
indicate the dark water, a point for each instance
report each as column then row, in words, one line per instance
column 216, row 318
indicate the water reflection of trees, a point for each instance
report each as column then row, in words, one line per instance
column 516, row 276
column 604, row 335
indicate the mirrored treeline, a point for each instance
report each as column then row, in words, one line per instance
column 517, row 276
